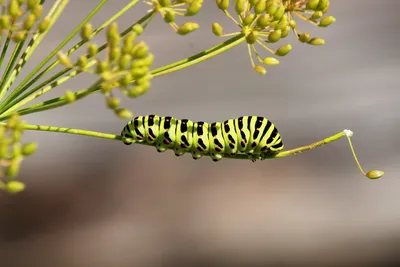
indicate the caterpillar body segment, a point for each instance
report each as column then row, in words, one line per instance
column 251, row 135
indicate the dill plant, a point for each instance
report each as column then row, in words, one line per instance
column 125, row 62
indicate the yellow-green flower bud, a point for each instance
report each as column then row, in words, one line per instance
column 283, row 50
column 263, row 21
column 112, row 31
column 240, row 6
column 274, row 36
column 124, row 61
column 32, row 4
column 326, row 21
column 223, row 4
column 140, row 52
column 251, row 38
column 113, row 102
column 86, row 32
column 135, row 92
column 248, row 19
column 18, row 36
column 194, row 8
column 138, row 90
column 375, row 174
column 260, row 69
column 64, row 59
column 323, row 5
column 144, row 62
column 316, row 41
column 270, row 61
column 272, row 9
column 316, row 15
column 13, row 121
column 4, row 149
column 29, row 22
column 37, row 11
column 138, row 29
column 44, row 25
column 70, row 96
column 102, row 66
column 13, row 168
column 169, row 16
column 14, row 9
column 4, row 21
column 304, row 37
column 106, row 87
column 281, row 25
column 187, row 28
column 217, row 29
column 279, row 13
column 107, row 76
column 114, row 41
column 29, row 148
column 126, row 79
column 115, row 54
column 14, row 187
column 164, row 3
column 312, row 4
column 16, row 135
column 82, row 62
column 93, row 50
column 292, row 23
column 143, row 80
column 260, row 7
column 128, row 42
column 139, row 72
column 286, row 31
column 270, row 3
column 123, row 113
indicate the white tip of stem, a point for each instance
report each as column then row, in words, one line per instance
column 348, row 133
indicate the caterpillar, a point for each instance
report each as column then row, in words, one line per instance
column 251, row 135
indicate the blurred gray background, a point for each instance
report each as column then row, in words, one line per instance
column 93, row 202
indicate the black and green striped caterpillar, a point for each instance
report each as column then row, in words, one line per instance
column 251, row 135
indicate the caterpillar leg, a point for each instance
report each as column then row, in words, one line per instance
column 216, row 157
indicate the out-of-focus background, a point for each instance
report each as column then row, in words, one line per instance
column 93, row 202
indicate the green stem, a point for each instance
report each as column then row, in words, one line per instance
column 54, row 13
column 299, row 149
column 17, row 50
column 71, row 131
column 202, row 56
column 24, row 85
column 237, row 156
column 54, row 103
column 7, row 108
column 5, row 47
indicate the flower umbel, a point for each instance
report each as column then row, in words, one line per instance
column 126, row 65
column 169, row 9
column 12, row 152
column 266, row 22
